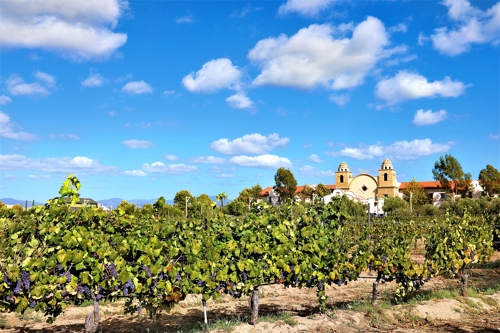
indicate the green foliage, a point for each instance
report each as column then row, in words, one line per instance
column 307, row 193
column 321, row 190
column 448, row 171
column 286, row 184
column 418, row 194
column 180, row 198
column 237, row 208
column 221, row 197
column 489, row 179
column 395, row 204
column 454, row 243
column 250, row 194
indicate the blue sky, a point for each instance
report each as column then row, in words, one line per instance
column 142, row 99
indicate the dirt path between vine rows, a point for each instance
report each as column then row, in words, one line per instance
column 296, row 310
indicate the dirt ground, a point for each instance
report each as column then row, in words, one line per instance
column 348, row 311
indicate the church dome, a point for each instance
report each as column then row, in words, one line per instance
column 386, row 164
column 343, row 167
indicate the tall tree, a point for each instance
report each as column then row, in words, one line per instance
column 307, row 193
column 180, row 198
column 450, row 175
column 252, row 193
column 221, row 197
column 416, row 191
column 286, row 184
column 489, row 179
column 321, row 190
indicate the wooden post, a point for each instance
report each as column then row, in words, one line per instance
column 187, row 199
column 411, row 199
column 92, row 318
column 374, row 292
column 464, row 278
column 254, row 307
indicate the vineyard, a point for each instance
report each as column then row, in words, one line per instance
column 52, row 256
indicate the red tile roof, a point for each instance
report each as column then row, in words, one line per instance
column 265, row 192
column 431, row 184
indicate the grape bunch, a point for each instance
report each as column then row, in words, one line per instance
column 83, row 290
column 147, row 269
column 128, row 287
column 111, row 271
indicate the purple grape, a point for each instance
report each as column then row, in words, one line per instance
column 147, row 269
column 139, row 310
column 178, row 277
column 32, row 304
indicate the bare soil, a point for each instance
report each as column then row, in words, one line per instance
column 348, row 311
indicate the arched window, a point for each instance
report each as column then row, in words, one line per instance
column 385, row 177
column 341, row 178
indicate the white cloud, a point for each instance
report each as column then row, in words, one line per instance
column 494, row 136
column 261, row 161
column 17, row 87
column 170, row 157
column 112, row 113
column 428, row 117
column 401, row 27
column 135, row 173
column 406, row 85
column 473, row 26
column 249, row 144
column 225, row 175
column 79, row 29
column 239, row 101
column 7, row 130
column 168, row 93
column 168, row 168
column 47, row 78
column 208, row 160
column 340, row 100
column 314, row 57
column 314, row 158
column 402, row 150
column 39, row 176
column 137, row 87
column 94, row 80
column 310, row 171
column 137, row 143
column 186, row 19
column 64, row 136
column 5, row 100
column 213, row 75
column 304, row 7
column 59, row 164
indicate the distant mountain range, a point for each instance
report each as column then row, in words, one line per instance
column 113, row 202
column 10, row 201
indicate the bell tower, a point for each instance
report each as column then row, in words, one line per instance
column 387, row 183
column 342, row 177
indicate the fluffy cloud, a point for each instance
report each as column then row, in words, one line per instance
column 313, row 172
column 168, row 168
column 313, row 56
column 239, row 101
column 137, row 143
column 249, row 144
column 64, row 136
column 402, row 150
column 213, row 75
column 473, row 26
column 79, row 29
column 94, row 80
column 306, row 8
column 314, row 158
column 7, row 130
column 225, row 175
column 261, row 161
column 406, row 85
column 137, row 87
column 493, row 136
column 59, row 164
column 208, row 160
column 170, row 157
column 16, row 85
column 5, row 100
column 135, row 173
column 340, row 100
column 428, row 117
